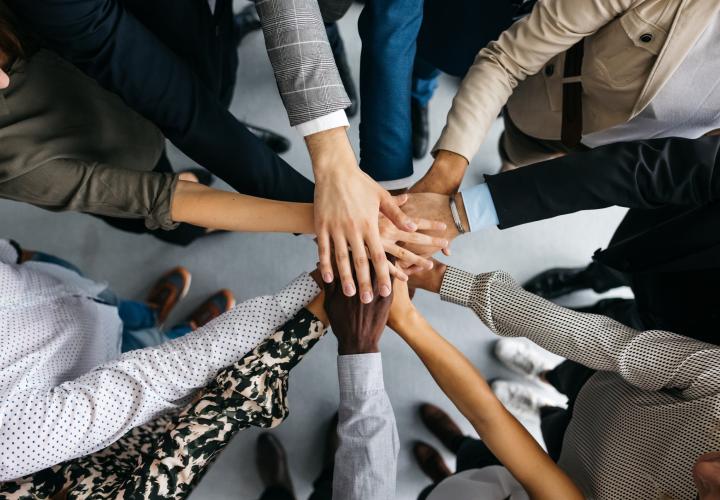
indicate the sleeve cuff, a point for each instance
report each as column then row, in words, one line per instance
column 333, row 120
column 403, row 183
column 479, row 207
column 360, row 373
column 457, row 286
column 9, row 252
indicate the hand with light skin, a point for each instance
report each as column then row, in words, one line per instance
column 347, row 205
column 436, row 207
column 357, row 326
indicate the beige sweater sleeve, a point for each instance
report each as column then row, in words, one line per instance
column 76, row 185
column 651, row 360
column 521, row 51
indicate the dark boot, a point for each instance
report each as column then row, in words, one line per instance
column 420, row 129
column 274, row 141
column 442, row 426
column 561, row 281
column 272, row 465
column 430, row 462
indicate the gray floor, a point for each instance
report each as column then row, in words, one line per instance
column 258, row 264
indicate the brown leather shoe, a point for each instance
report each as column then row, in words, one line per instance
column 430, row 462
column 219, row 303
column 272, row 465
column 172, row 287
column 442, row 426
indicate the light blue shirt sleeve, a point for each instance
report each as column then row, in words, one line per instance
column 366, row 458
column 479, row 207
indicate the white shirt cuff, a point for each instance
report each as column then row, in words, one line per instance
column 333, row 120
column 479, row 207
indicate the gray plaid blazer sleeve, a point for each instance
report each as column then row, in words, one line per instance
column 305, row 71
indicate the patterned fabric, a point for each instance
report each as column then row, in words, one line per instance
column 66, row 393
column 167, row 457
column 641, row 422
column 301, row 58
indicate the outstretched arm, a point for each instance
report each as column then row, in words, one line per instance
column 366, row 459
column 207, row 207
column 652, row 359
column 86, row 414
column 469, row 391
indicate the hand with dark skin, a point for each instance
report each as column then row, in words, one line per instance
column 357, row 326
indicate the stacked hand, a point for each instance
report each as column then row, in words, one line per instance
column 356, row 325
column 348, row 204
column 430, row 198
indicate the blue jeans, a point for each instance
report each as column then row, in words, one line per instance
column 140, row 327
column 424, row 81
column 388, row 29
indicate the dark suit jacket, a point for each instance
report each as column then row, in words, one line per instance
column 174, row 62
column 671, row 186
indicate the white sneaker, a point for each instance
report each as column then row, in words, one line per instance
column 524, row 357
column 524, row 400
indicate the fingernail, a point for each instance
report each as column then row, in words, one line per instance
column 349, row 290
column 411, row 226
column 327, row 277
column 367, row 297
column 385, row 291
column 443, row 226
column 431, row 265
column 444, row 243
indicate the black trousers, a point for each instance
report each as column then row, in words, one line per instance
column 206, row 42
column 322, row 489
column 568, row 378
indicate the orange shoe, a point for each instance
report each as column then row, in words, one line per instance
column 172, row 287
column 217, row 304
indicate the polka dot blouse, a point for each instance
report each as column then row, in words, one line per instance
column 61, row 396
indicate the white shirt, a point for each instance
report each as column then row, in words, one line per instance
column 688, row 105
column 65, row 389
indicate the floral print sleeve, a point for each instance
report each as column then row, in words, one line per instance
column 167, row 457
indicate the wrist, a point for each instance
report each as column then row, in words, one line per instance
column 355, row 346
column 450, row 168
column 330, row 151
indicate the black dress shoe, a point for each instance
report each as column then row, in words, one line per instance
column 246, row 21
column 558, row 282
column 346, row 76
column 420, row 129
column 274, row 141
column 430, row 461
column 442, row 426
column 272, row 463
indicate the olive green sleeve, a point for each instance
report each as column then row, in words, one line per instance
column 80, row 186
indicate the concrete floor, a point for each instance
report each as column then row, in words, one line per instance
column 254, row 264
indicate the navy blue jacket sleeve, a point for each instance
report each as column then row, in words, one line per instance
column 109, row 44
column 644, row 174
